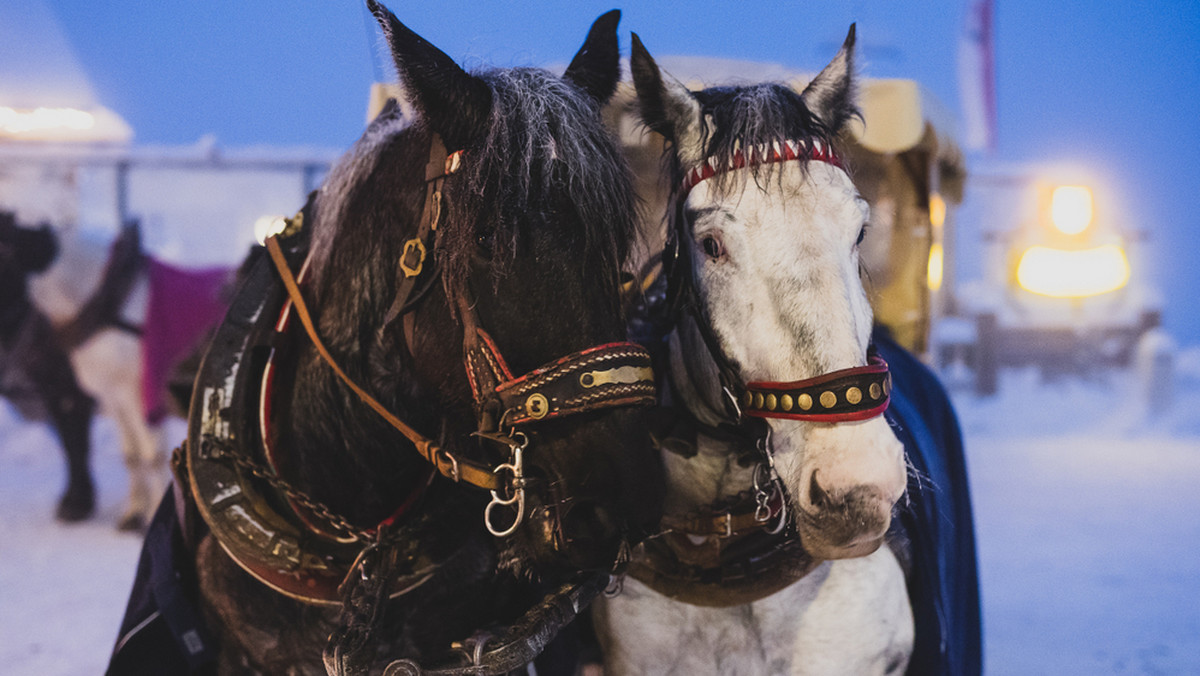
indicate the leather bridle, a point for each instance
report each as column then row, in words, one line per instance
column 606, row 376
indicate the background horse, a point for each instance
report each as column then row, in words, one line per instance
column 766, row 287
column 125, row 319
column 35, row 373
column 411, row 258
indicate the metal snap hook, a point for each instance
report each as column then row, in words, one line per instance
column 517, row 488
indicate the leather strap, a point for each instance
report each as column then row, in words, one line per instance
column 605, row 376
column 457, row 469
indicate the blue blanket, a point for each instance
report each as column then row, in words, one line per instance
column 944, row 584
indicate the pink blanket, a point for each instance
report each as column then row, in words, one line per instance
column 183, row 306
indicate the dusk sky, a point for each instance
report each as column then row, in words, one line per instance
column 1114, row 87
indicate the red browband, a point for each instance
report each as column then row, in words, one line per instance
column 847, row 395
column 765, row 153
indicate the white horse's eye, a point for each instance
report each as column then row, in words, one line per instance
column 712, row 247
column 861, row 234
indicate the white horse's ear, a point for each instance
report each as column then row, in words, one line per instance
column 830, row 96
column 666, row 106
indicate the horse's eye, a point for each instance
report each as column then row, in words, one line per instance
column 486, row 241
column 712, row 247
column 861, row 234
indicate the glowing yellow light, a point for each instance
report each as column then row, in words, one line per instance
column 14, row 121
column 266, row 226
column 933, row 273
column 1073, row 274
column 937, row 210
column 1071, row 208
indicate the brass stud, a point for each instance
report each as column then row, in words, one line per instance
column 587, row 379
column 828, row 399
column 758, row 400
column 536, row 406
column 887, row 385
column 747, row 399
column 875, row 391
column 805, row 401
column 853, row 395
column 771, row 402
column 785, row 402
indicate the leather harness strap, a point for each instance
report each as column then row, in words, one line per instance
column 457, row 469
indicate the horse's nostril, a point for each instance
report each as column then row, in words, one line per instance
column 817, row 495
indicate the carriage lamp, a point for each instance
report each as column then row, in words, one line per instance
column 935, row 268
column 1073, row 273
column 1071, row 208
column 22, row 121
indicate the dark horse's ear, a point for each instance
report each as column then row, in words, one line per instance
column 453, row 103
column 596, row 68
column 666, row 106
column 830, row 96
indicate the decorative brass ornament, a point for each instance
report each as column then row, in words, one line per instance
column 875, row 391
column 770, row 399
column 828, row 399
column 412, row 248
column 622, row 375
column 758, row 400
column 536, row 406
column 853, row 395
column 747, row 400
column 785, row 402
column 435, row 210
column 805, row 401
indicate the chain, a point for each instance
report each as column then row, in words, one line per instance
column 219, row 449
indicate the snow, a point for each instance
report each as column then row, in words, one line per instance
column 1087, row 514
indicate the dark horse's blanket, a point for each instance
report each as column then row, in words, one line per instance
column 944, row 582
column 163, row 632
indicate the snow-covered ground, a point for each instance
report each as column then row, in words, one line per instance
column 1087, row 511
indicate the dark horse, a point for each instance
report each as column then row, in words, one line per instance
column 486, row 231
column 35, row 371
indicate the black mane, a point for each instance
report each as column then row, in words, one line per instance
column 543, row 132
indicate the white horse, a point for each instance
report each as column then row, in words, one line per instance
column 108, row 360
column 765, row 276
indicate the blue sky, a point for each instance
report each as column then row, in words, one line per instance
column 1112, row 86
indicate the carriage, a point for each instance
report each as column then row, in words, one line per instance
column 1062, row 283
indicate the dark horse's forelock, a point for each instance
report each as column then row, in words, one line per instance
column 545, row 144
column 734, row 117
column 545, row 137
